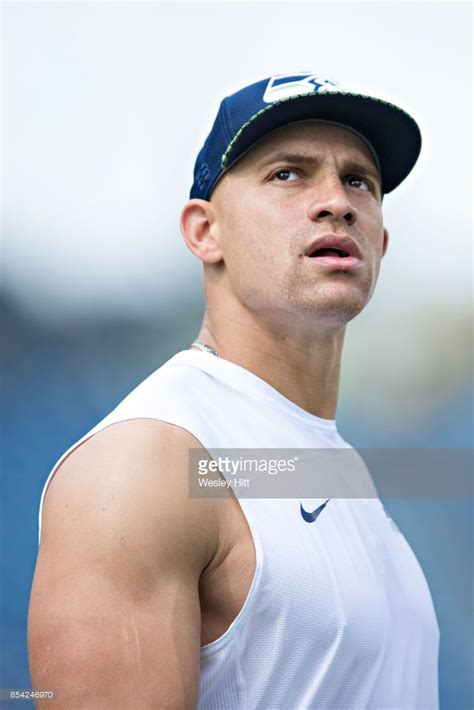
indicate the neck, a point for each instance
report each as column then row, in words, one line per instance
column 303, row 366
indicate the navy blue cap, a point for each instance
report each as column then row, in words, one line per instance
column 256, row 110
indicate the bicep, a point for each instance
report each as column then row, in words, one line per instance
column 114, row 616
column 98, row 647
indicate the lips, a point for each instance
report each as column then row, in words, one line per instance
column 333, row 251
column 333, row 245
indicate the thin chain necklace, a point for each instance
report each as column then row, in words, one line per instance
column 205, row 348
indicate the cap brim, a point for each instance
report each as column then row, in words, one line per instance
column 394, row 134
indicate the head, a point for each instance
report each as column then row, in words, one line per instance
column 298, row 188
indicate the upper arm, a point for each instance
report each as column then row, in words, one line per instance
column 114, row 617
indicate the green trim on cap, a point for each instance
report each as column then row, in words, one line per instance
column 324, row 92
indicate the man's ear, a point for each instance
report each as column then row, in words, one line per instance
column 385, row 242
column 200, row 230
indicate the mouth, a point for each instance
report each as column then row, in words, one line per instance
column 335, row 251
column 328, row 251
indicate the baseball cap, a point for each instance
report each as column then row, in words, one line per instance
column 253, row 112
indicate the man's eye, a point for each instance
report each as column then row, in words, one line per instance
column 358, row 182
column 286, row 175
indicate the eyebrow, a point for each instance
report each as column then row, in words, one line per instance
column 349, row 165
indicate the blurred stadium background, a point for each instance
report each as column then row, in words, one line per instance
column 104, row 106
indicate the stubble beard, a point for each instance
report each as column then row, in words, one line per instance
column 332, row 301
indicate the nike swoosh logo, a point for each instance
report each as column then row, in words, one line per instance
column 311, row 517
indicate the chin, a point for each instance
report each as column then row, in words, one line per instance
column 336, row 317
column 335, row 305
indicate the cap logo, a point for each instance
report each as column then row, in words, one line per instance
column 284, row 86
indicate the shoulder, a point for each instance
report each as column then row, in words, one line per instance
column 127, row 486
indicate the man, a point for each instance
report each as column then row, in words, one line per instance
column 146, row 597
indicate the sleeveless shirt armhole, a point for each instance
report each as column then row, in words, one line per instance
column 230, row 633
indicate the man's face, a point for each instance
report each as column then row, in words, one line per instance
column 303, row 182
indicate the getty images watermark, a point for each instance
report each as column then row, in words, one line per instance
column 234, row 470
column 331, row 473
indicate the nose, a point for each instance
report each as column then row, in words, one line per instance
column 329, row 200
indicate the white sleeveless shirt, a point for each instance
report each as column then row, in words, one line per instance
column 339, row 615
